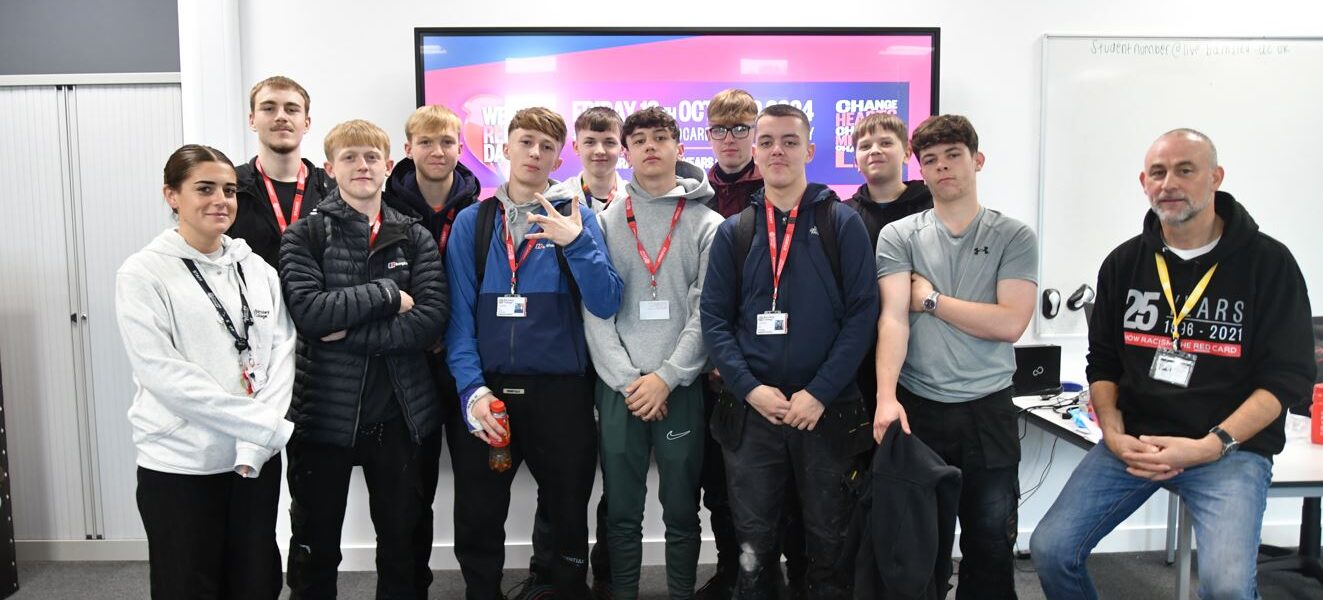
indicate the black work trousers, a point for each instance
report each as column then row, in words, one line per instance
column 981, row 438
column 319, row 487
column 552, row 431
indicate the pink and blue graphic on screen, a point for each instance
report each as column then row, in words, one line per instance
column 836, row 79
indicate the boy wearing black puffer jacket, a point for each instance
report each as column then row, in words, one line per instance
column 367, row 292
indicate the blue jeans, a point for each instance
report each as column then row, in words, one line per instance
column 1226, row 500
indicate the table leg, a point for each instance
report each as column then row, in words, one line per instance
column 1173, row 515
column 1183, row 545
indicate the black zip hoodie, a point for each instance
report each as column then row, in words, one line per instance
column 915, row 198
column 1250, row 330
column 402, row 194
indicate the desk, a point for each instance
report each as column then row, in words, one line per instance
column 1296, row 473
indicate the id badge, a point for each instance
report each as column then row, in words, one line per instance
column 773, row 323
column 654, row 310
column 254, row 374
column 1172, row 366
column 512, row 306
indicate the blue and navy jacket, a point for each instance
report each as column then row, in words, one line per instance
column 550, row 340
column 830, row 329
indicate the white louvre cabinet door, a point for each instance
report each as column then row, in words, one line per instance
column 124, row 135
column 36, row 335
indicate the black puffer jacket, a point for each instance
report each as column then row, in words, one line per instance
column 349, row 288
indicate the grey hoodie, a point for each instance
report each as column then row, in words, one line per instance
column 516, row 215
column 191, row 413
column 573, row 188
column 624, row 347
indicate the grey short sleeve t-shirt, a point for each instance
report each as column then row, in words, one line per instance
column 944, row 363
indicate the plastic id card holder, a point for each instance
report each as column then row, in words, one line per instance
column 773, row 323
column 1172, row 366
column 654, row 310
column 512, row 306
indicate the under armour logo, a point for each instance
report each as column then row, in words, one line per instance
column 983, row 250
column 813, row 230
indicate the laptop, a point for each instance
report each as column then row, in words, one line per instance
column 1037, row 370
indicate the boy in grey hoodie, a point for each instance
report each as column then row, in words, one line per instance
column 649, row 354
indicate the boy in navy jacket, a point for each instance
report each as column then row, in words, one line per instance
column 517, row 335
column 787, row 328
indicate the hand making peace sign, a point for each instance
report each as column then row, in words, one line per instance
column 556, row 227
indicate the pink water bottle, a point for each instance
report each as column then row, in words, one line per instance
column 1316, row 416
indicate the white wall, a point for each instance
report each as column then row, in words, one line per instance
column 356, row 59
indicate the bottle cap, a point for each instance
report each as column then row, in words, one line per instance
column 497, row 406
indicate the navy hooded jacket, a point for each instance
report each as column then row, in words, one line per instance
column 829, row 331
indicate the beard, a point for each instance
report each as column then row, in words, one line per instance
column 1176, row 217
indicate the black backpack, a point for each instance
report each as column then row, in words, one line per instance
column 483, row 240
column 823, row 212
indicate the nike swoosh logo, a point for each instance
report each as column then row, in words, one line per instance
column 672, row 435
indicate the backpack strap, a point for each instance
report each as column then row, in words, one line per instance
column 744, row 230
column 824, row 218
column 483, row 240
column 319, row 232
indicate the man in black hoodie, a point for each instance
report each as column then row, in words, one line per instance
column 881, row 148
column 431, row 185
column 278, row 177
column 1199, row 343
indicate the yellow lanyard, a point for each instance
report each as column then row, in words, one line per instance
column 1192, row 300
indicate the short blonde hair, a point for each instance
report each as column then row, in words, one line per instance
column 356, row 133
column 732, row 104
column 432, row 118
column 541, row 120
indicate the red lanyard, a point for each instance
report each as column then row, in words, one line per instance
column 666, row 245
column 510, row 253
column 275, row 202
column 376, row 228
column 779, row 265
column 445, row 232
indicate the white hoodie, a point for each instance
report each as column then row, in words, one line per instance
column 192, row 414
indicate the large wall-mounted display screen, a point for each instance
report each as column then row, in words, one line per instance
column 836, row 76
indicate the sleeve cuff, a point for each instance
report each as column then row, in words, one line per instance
column 468, row 401
column 280, row 437
column 252, row 456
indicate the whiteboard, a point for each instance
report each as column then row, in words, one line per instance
column 1105, row 99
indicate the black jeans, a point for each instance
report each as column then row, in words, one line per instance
column 552, row 430
column 319, row 487
column 715, row 495
column 981, row 438
column 211, row 536
column 768, row 461
column 429, row 472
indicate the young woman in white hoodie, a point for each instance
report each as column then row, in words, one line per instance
column 212, row 349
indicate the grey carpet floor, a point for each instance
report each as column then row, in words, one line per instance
column 1128, row 576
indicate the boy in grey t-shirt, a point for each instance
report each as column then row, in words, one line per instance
column 958, row 286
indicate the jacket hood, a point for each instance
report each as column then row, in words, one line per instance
column 915, row 189
column 691, row 180
column 170, row 243
column 403, row 186
column 815, row 193
column 1238, row 228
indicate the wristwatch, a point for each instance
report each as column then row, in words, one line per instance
column 1229, row 443
column 930, row 303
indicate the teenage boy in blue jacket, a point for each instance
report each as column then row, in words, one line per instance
column 787, row 323
column 517, row 335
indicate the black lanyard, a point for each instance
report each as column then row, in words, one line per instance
column 240, row 341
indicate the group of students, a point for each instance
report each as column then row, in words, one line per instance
column 744, row 328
